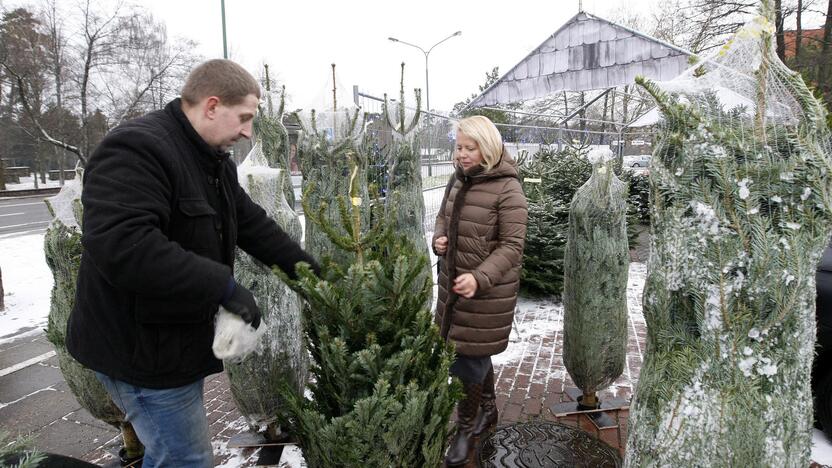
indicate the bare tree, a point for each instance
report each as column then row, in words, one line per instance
column 116, row 66
column 56, row 47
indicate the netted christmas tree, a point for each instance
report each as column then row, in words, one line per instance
column 741, row 200
column 595, row 281
column 280, row 356
column 273, row 136
column 380, row 392
column 404, row 198
column 62, row 248
column 330, row 140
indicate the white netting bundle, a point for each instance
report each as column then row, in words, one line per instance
column 66, row 205
column 333, row 114
column 346, row 123
column 739, row 78
column 401, row 116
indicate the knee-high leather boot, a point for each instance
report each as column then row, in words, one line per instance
column 488, row 416
column 466, row 415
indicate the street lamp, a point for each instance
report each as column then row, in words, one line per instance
column 427, row 84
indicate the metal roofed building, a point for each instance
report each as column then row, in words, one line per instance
column 586, row 53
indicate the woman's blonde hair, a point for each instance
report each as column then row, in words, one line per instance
column 488, row 138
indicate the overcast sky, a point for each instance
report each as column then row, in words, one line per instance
column 299, row 40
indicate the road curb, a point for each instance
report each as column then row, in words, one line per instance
column 29, row 192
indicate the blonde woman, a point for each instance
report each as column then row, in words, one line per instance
column 479, row 237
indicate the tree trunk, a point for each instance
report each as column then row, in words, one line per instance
column 779, row 33
column 823, row 68
column 2, row 175
column 2, row 293
column 798, row 33
column 40, row 162
column 59, row 160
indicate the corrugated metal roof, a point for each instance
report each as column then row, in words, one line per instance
column 586, row 53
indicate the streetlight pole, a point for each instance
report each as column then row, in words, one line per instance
column 427, row 84
column 224, row 43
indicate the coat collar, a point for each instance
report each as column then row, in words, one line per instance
column 174, row 108
column 505, row 167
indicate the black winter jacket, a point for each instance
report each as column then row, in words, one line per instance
column 163, row 212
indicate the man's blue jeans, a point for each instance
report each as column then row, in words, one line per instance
column 171, row 423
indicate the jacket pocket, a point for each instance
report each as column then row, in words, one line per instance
column 200, row 224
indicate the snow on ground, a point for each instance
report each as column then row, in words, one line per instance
column 28, row 183
column 27, row 284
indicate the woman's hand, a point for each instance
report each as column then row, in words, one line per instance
column 465, row 285
column 440, row 245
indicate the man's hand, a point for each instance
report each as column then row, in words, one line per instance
column 242, row 303
column 465, row 285
column 440, row 245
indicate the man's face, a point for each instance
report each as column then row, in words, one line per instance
column 227, row 124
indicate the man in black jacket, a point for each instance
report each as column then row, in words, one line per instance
column 163, row 213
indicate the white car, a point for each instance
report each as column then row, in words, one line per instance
column 638, row 161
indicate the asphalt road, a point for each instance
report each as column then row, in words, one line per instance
column 22, row 216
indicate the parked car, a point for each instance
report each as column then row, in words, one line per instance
column 822, row 365
column 637, row 161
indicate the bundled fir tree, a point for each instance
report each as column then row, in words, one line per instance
column 62, row 248
column 280, row 356
column 595, row 281
column 329, row 142
column 741, row 213
column 404, row 198
column 380, row 390
column 273, row 136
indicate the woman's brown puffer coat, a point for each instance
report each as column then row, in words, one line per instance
column 484, row 217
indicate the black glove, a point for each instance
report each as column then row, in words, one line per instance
column 241, row 302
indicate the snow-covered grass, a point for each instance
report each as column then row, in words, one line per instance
column 27, row 283
column 28, row 183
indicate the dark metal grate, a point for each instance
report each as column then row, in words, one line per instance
column 545, row 444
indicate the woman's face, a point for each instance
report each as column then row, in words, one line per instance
column 467, row 151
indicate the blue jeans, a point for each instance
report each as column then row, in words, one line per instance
column 171, row 422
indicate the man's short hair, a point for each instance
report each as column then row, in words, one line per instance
column 221, row 78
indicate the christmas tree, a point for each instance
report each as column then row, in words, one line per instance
column 595, row 281
column 329, row 142
column 380, row 391
column 273, row 136
column 404, row 199
column 280, row 355
column 550, row 181
column 62, row 248
column 741, row 213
